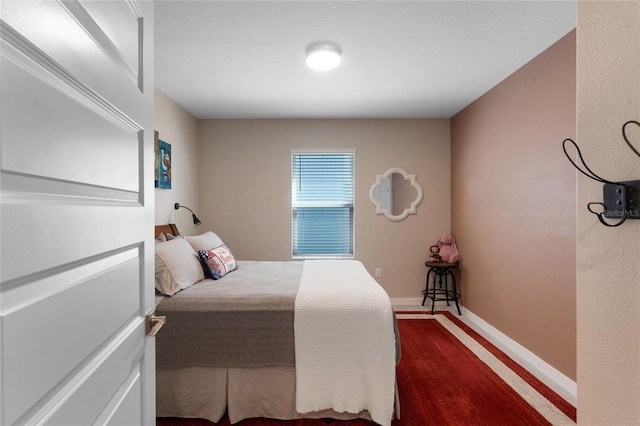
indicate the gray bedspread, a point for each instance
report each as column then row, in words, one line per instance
column 243, row 320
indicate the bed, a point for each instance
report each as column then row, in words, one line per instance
column 281, row 340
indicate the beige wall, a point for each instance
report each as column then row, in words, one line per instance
column 513, row 206
column 608, row 259
column 245, row 167
column 179, row 128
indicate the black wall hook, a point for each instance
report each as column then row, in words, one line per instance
column 602, row 213
column 626, row 138
column 620, row 199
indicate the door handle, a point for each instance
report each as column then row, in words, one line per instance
column 154, row 324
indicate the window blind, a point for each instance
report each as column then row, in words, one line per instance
column 322, row 196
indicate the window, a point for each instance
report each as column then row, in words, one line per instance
column 322, row 194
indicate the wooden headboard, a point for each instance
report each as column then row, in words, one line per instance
column 170, row 228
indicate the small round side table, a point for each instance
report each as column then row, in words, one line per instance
column 440, row 290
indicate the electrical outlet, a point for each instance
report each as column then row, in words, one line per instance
column 378, row 272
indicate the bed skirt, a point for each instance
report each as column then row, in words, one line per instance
column 207, row 393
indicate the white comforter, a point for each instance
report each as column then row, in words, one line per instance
column 344, row 341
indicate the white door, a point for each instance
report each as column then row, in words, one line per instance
column 76, row 212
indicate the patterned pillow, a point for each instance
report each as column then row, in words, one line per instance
column 217, row 262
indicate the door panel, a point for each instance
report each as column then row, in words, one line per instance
column 64, row 38
column 76, row 213
column 45, row 356
column 120, row 24
column 102, row 389
column 127, row 405
column 48, row 134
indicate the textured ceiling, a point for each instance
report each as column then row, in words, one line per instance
column 401, row 59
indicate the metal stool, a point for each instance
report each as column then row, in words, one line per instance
column 438, row 291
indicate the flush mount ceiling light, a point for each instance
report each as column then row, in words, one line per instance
column 323, row 56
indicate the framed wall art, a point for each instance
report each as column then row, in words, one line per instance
column 162, row 163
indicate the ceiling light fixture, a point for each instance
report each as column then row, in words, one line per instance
column 323, row 56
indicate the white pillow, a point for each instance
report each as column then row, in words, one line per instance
column 177, row 266
column 206, row 241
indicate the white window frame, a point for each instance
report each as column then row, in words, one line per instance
column 353, row 226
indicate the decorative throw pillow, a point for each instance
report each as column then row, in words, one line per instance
column 170, row 237
column 177, row 266
column 217, row 262
column 204, row 241
column 161, row 238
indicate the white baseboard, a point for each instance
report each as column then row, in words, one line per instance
column 561, row 384
column 407, row 302
column 415, row 304
column 564, row 386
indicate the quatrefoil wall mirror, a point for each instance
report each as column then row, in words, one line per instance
column 396, row 194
